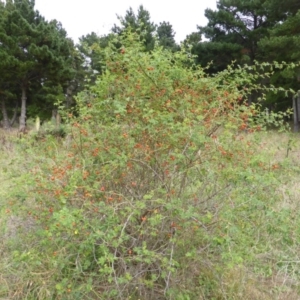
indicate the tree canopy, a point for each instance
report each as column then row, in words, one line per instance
column 140, row 23
column 40, row 65
column 243, row 32
column 39, row 55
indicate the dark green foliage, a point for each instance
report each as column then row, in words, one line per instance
column 244, row 31
column 243, row 23
column 220, row 54
column 281, row 10
column 166, row 36
column 39, row 54
column 8, row 88
column 233, row 31
column 139, row 23
column 283, row 44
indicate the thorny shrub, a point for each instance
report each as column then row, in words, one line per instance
column 159, row 189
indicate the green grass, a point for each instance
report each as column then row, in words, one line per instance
column 272, row 271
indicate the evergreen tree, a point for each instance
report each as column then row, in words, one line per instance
column 282, row 44
column 245, row 31
column 166, row 36
column 236, row 27
column 233, row 31
column 139, row 23
column 280, row 10
column 8, row 86
column 40, row 54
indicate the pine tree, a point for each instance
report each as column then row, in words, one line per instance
column 40, row 54
column 139, row 23
column 8, row 87
column 283, row 44
column 166, row 36
column 233, row 32
column 246, row 31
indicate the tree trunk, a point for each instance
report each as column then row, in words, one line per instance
column 296, row 109
column 6, row 123
column 14, row 117
column 69, row 96
column 22, row 125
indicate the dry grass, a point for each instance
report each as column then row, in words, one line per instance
column 283, row 149
column 249, row 286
